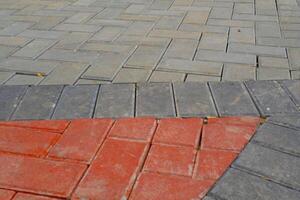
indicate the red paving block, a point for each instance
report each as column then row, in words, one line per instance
column 134, row 128
column 39, row 176
column 23, row 196
column 6, row 194
column 171, row 159
column 47, row 125
column 152, row 186
column 211, row 164
column 26, row 141
column 81, row 140
column 226, row 137
column 179, row 131
column 113, row 172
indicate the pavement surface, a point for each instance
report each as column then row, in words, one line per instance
column 102, row 41
column 129, row 158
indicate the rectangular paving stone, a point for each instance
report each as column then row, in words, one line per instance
column 67, row 55
column 4, row 76
column 146, row 56
column 15, row 28
column 168, row 22
column 79, row 17
column 257, row 50
column 40, row 34
column 294, row 60
column 20, row 79
column 187, row 66
column 196, row 17
column 278, row 137
column 293, row 88
column 277, row 166
column 44, row 98
column 213, row 41
column 107, row 33
column 256, row 18
column 76, row 102
column 139, row 28
column 175, row 34
column 193, row 99
column 160, row 76
column 181, row 48
column 72, row 40
column 77, row 27
column 230, row 23
column 288, row 120
column 13, row 41
column 6, row 51
column 115, row 100
column 232, row 98
column 242, row 35
column 219, row 56
column 273, row 74
column 34, row 48
column 155, row 99
column 9, row 99
column 249, row 187
column 21, row 179
column 238, row 72
column 220, row 13
column 267, row 29
column 69, row 71
column 201, row 78
column 281, row 63
column 131, row 75
column 270, row 97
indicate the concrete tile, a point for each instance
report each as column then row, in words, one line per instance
column 160, row 76
column 238, row 72
column 129, row 75
column 20, row 79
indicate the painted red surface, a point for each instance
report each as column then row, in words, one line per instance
column 132, row 158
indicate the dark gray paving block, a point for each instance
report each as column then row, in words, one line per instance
column 193, row 99
column 271, row 98
column 9, row 98
column 292, row 121
column 115, row 100
column 155, row 99
column 238, row 185
column 279, row 137
column 38, row 102
column 232, row 98
column 272, row 164
column 76, row 102
column 293, row 88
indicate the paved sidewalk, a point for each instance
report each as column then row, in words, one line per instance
column 130, row 158
column 102, row 41
column 256, row 98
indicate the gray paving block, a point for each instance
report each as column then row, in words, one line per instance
column 237, row 185
column 115, row 100
column 76, row 102
column 279, row 137
column 271, row 164
column 270, row 97
column 20, row 79
column 9, row 99
column 232, row 98
column 193, row 99
column 15, row 28
column 38, row 102
column 293, row 87
column 4, row 76
column 155, row 99
column 292, row 121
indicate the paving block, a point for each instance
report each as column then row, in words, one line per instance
column 213, row 41
column 4, row 76
column 293, row 54
column 181, row 48
column 168, row 22
column 220, row 13
column 139, row 28
column 81, row 140
column 187, row 66
column 20, row 178
column 293, row 89
column 77, row 27
column 242, row 35
column 193, row 99
column 76, row 102
column 201, row 78
column 6, row 194
column 107, row 33
column 106, row 47
column 257, row 50
column 273, row 74
column 69, row 71
column 15, row 28
column 127, row 155
column 34, row 48
column 26, row 141
column 115, row 100
column 278, row 137
column 236, row 185
column 160, row 76
column 6, row 51
column 270, row 97
column 72, row 40
column 9, row 99
column 230, row 23
column 219, row 56
column 196, row 17
column 79, row 18
column 155, row 99
column 238, row 72
column 25, row 196
column 40, row 34
column 281, row 63
column 232, row 98
column 134, row 128
column 130, row 75
column 211, row 164
column 175, row 34
column 292, row 121
column 14, row 41
column 44, row 98
column 20, row 79
column 262, row 161
column 267, row 29
column 175, row 160
column 156, row 186
column 172, row 132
